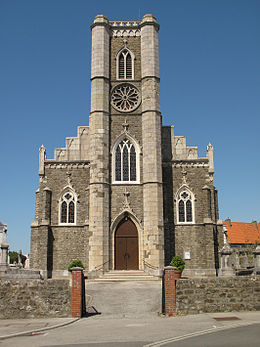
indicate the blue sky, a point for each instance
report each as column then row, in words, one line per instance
column 210, row 88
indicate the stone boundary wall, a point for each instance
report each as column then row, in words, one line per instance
column 34, row 298
column 204, row 295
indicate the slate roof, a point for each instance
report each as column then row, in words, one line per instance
column 244, row 233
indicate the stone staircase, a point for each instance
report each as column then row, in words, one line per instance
column 125, row 275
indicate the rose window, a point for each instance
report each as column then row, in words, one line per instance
column 125, row 98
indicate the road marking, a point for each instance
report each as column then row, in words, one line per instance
column 198, row 333
column 136, row 325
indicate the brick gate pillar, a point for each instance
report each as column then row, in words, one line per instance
column 169, row 290
column 77, row 292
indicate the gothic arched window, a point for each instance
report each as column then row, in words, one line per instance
column 125, row 162
column 185, row 207
column 67, row 208
column 125, row 65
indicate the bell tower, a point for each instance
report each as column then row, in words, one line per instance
column 125, row 140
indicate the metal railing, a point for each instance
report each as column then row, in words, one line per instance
column 101, row 266
column 150, row 265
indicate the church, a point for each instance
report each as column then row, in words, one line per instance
column 126, row 193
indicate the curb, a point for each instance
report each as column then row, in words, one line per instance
column 39, row 330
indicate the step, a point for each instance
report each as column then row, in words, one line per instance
column 123, row 275
column 132, row 278
column 125, row 272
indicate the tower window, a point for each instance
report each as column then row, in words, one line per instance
column 125, row 161
column 125, row 65
column 185, row 207
column 67, row 208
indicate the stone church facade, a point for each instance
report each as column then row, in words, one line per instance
column 126, row 193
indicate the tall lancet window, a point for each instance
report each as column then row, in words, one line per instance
column 125, row 161
column 125, row 65
column 185, row 207
column 67, row 209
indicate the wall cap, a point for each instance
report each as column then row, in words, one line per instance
column 170, row 268
column 76, row 268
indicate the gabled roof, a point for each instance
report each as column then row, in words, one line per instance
column 242, row 232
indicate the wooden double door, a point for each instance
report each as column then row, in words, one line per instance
column 126, row 246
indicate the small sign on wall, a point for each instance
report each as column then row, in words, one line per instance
column 186, row 254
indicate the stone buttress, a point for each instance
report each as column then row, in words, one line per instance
column 151, row 129
column 99, row 147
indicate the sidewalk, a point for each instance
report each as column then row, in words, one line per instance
column 107, row 330
column 15, row 327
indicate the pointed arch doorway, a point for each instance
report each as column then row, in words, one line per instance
column 126, row 246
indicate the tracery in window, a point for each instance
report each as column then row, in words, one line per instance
column 125, row 65
column 185, row 207
column 125, row 161
column 125, row 97
column 67, row 208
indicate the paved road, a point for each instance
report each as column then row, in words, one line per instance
column 233, row 337
column 194, row 330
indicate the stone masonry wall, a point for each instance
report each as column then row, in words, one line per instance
column 39, row 247
column 118, row 199
column 34, row 299
column 54, row 246
column 197, row 177
column 56, row 179
column 197, row 240
column 200, row 238
column 217, row 295
column 116, row 44
column 68, row 244
column 133, row 43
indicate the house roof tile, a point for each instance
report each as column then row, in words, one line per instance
column 243, row 232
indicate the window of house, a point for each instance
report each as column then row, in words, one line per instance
column 125, row 65
column 125, row 161
column 185, row 207
column 67, row 208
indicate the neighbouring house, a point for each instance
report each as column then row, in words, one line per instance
column 243, row 239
